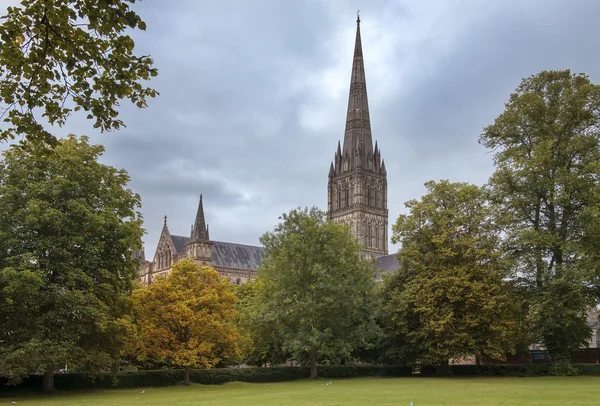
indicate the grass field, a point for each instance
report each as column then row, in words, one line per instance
column 545, row 391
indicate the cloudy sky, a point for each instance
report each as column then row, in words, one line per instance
column 253, row 97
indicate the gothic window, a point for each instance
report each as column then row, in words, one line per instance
column 347, row 195
column 369, row 195
column 238, row 281
column 376, row 197
column 168, row 258
column 373, row 201
column 339, row 198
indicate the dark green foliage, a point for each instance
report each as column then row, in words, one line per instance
column 68, row 227
column 314, row 296
column 486, row 370
column 450, row 297
column 62, row 56
column 563, row 368
column 168, row 377
column 588, row 369
column 546, row 190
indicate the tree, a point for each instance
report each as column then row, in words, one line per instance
column 315, row 291
column 449, row 298
column 61, row 56
column 187, row 318
column 262, row 344
column 547, row 187
column 68, row 227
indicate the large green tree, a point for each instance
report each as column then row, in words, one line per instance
column 547, row 187
column 261, row 343
column 61, row 56
column 315, row 290
column 68, row 225
column 449, row 298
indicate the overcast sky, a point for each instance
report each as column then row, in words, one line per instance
column 253, row 98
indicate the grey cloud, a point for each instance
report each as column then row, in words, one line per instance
column 251, row 108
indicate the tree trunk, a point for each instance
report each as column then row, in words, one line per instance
column 48, row 381
column 186, row 376
column 313, row 363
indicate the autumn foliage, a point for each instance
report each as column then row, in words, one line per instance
column 187, row 318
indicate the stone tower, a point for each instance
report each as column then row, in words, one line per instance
column 199, row 247
column 357, row 187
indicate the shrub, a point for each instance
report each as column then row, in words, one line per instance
column 563, row 368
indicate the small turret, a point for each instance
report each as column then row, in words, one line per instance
column 200, row 230
column 200, row 247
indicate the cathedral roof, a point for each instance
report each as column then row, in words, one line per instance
column 230, row 255
column 387, row 264
column 179, row 241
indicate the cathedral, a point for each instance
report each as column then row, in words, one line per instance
column 356, row 195
column 237, row 262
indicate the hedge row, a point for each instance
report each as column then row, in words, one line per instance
column 504, row 370
column 169, row 377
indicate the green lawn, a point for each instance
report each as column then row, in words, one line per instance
column 348, row 392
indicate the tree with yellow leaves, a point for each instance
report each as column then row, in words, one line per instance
column 187, row 318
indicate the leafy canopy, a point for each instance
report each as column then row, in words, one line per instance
column 448, row 299
column 61, row 56
column 315, row 290
column 187, row 318
column 68, row 226
column 547, row 187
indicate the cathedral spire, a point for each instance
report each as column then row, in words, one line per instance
column 358, row 125
column 200, row 229
column 357, row 183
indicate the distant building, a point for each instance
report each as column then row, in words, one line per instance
column 237, row 262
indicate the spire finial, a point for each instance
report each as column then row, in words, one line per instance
column 165, row 219
column 358, row 16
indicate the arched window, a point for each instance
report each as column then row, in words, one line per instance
column 368, row 195
column 377, row 237
column 347, row 195
column 238, row 281
column 168, row 258
column 376, row 197
column 339, row 198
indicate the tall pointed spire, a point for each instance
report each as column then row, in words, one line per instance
column 200, row 230
column 357, row 183
column 358, row 125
